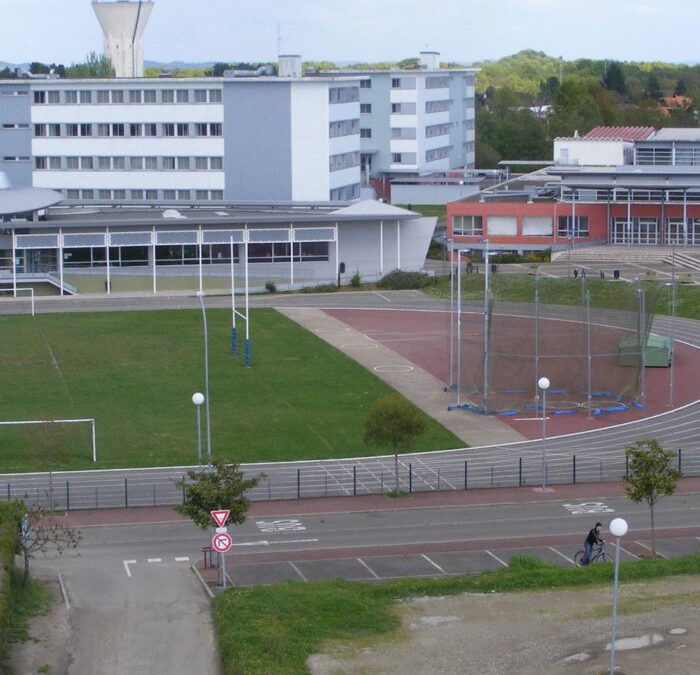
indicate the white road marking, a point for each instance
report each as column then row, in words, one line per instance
column 495, row 557
column 566, row 557
column 433, row 563
column 282, row 525
column 383, row 297
column 154, row 560
column 298, row 571
column 648, row 548
column 368, row 568
column 264, row 542
column 126, row 564
column 630, row 553
column 587, row 507
column 183, row 559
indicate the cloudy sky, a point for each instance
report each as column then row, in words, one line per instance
column 64, row 31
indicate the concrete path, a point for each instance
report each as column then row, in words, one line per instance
column 418, row 386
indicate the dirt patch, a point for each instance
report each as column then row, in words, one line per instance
column 554, row 632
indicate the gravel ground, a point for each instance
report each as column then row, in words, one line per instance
column 553, row 632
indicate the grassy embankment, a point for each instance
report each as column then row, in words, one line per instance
column 274, row 629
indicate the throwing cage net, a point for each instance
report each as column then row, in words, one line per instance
column 592, row 355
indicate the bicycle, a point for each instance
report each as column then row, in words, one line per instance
column 598, row 554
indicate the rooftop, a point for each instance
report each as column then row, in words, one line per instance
column 620, row 133
column 677, row 134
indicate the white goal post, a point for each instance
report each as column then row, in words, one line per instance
column 89, row 420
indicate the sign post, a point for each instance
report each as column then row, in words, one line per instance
column 221, row 541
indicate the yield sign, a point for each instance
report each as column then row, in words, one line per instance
column 220, row 517
column 221, row 542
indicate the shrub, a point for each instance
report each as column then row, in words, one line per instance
column 270, row 287
column 356, row 280
column 321, row 288
column 399, row 280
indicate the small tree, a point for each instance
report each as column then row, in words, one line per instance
column 650, row 477
column 393, row 423
column 221, row 487
column 45, row 533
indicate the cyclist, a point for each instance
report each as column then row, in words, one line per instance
column 592, row 539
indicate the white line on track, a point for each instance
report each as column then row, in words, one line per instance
column 648, row 548
column 636, row 557
column 182, row 559
column 126, row 564
column 264, row 542
column 496, row 558
column 297, row 570
column 155, row 560
column 559, row 553
column 434, row 564
column 368, row 568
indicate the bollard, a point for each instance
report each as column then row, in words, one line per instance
column 298, row 483
column 126, row 493
column 574, row 469
column 67, row 496
column 410, row 478
column 354, row 481
column 520, row 472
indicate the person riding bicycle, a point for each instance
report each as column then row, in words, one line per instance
column 592, row 539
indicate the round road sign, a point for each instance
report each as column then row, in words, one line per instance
column 221, row 542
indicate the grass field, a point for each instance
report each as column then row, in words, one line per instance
column 274, row 629
column 135, row 374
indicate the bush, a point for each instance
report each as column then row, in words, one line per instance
column 321, row 288
column 270, row 287
column 400, row 281
column 356, row 280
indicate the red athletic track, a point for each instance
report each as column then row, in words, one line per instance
column 423, row 339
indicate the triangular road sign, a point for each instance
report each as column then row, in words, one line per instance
column 220, row 517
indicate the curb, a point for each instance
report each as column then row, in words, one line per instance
column 193, row 567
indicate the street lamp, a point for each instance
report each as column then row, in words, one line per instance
column 543, row 384
column 618, row 528
column 200, row 295
column 198, row 399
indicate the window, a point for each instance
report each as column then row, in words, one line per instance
column 86, row 163
column 136, row 130
column 54, row 97
column 135, row 96
column 201, row 129
column 104, row 163
column 565, row 228
column 537, row 226
column 340, row 194
column 168, row 129
column 103, row 130
column 216, row 163
column 167, row 96
column 39, row 97
column 117, row 96
column 396, row 158
column 88, row 194
column 396, row 83
column 183, row 163
column 151, row 163
column 150, row 129
column 217, row 194
column 118, row 163
column 102, row 96
column 200, row 95
column 201, row 195
column 183, row 195
column 215, row 129
column 344, row 160
column 149, row 96
column 343, row 128
column 403, row 108
column 200, row 163
column 39, row 162
column 136, row 163
column 120, row 194
column 365, row 133
column 86, row 96
column 502, row 225
column 215, row 96
column 54, row 130
column 437, row 130
column 73, row 194
column 183, row 95
column 366, row 84
column 403, row 133
column 467, row 225
column 183, row 129
column 118, row 129
column 343, row 94
column 441, row 82
column 437, row 106
column 168, row 194
column 54, row 163
column 365, row 108
column 151, row 194
column 70, row 96
column 169, row 163
column 39, row 130
column 86, row 129
column 137, row 194
column 403, row 82
column 71, row 130
column 438, row 153
column 104, row 194
column 72, row 163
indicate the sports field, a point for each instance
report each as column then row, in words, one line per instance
column 135, row 372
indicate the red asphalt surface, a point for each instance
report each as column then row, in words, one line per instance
column 423, row 339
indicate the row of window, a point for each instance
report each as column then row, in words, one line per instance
column 438, row 82
column 150, row 163
column 623, row 195
column 119, row 129
column 343, row 128
column 344, row 160
column 345, row 193
column 438, row 153
column 534, row 226
column 147, row 195
column 343, row 94
column 437, row 106
column 437, row 130
column 138, row 96
column 404, row 158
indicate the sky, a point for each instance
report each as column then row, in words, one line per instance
column 463, row 31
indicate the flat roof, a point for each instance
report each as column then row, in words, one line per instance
column 677, row 134
column 26, row 200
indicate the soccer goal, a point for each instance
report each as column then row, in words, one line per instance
column 87, row 423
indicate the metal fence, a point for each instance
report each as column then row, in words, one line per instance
column 112, row 489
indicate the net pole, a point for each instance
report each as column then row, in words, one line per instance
column 588, row 348
column 234, row 337
column 537, row 338
column 673, row 321
column 486, row 330
column 247, row 308
column 94, row 442
column 643, row 345
column 459, row 327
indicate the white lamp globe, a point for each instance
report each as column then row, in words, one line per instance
column 543, row 383
column 618, row 527
column 198, row 398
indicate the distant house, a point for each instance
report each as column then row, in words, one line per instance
column 667, row 104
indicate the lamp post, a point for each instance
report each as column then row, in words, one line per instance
column 198, row 399
column 543, row 384
column 200, row 295
column 618, row 528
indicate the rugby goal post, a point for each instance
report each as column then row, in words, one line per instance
column 88, row 420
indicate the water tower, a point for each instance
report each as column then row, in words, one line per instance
column 123, row 23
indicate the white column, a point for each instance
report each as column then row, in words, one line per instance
column 381, row 247
column 398, row 244
column 109, row 280
column 199, row 239
column 337, row 252
column 60, row 258
column 14, row 266
column 153, row 252
column 291, row 254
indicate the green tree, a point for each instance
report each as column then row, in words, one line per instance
column 652, row 89
column 680, row 89
column 614, row 78
column 651, row 476
column 93, row 66
column 393, row 423
column 221, row 487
